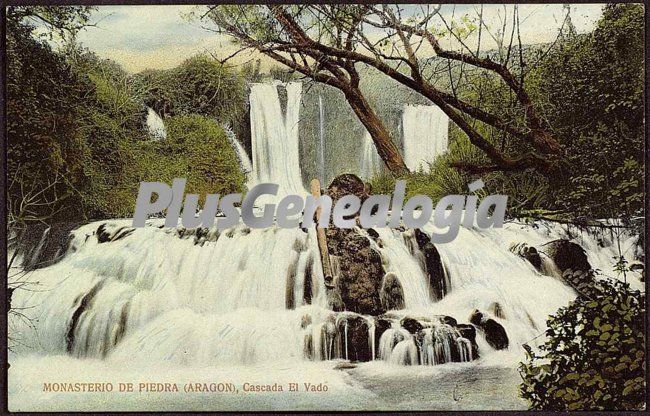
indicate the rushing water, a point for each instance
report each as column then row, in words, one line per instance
column 274, row 136
column 242, row 157
column 155, row 125
column 177, row 300
column 370, row 160
column 425, row 135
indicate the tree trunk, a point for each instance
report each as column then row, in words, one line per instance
column 380, row 136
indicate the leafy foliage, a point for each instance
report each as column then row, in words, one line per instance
column 77, row 142
column 594, row 358
column 591, row 90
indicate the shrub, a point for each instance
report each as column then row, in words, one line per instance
column 594, row 358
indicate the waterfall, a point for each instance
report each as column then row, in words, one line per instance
column 155, row 125
column 370, row 160
column 425, row 135
column 245, row 296
column 244, row 161
column 274, row 137
column 321, row 138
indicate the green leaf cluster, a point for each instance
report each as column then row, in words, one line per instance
column 594, row 356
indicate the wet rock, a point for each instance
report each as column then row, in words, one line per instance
column 411, row 325
column 347, row 184
column 529, row 253
column 109, row 232
column 448, row 320
column 468, row 331
column 434, row 267
column 359, row 268
column 381, row 325
column 392, row 294
column 494, row 332
column 356, row 343
column 373, row 234
column 41, row 245
column 567, row 255
column 81, row 305
column 360, row 271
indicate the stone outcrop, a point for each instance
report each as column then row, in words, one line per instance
column 40, row 245
column 567, row 255
column 360, row 271
column 434, row 268
column 571, row 261
column 392, row 294
column 356, row 346
column 495, row 333
column 412, row 325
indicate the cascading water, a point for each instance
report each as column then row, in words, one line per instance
column 245, row 296
column 242, row 157
column 370, row 160
column 155, row 125
column 425, row 135
column 274, row 137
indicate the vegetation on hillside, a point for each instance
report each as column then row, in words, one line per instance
column 78, row 145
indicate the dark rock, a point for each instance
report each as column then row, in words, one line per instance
column 392, row 294
column 567, row 255
column 107, row 232
column 449, row 320
column 41, row 245
column 494, row 332
column 434, row 267
column 476, row 317
column 346, row 184
column 381, row 325
column 469, row 332
column 529, row 253
column 373, row 234
column 411, row 325
column 357, row 344
column 81, row 304
column 360, row 270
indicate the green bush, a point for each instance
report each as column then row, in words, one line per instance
column 197, row 149
column 594, row 358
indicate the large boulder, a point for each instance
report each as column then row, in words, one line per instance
column 494, row 332
column 360, row 271
column 392, row 294
column 347, row 184
column 571, row 261
column 468, row 331
column 567, row 255
column 41, row 245
column 411, row 325
column 434, row 268
column 355, row 344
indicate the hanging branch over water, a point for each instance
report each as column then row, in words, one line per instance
column 325, row 42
